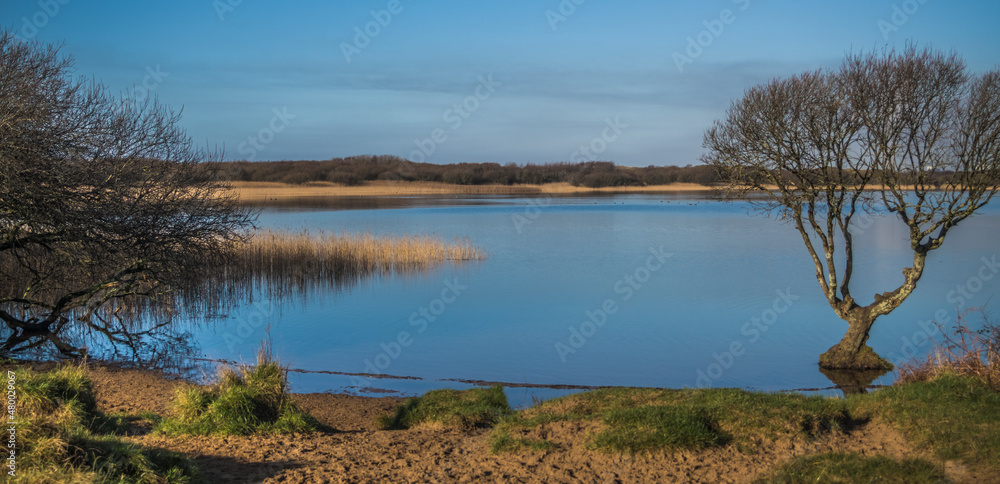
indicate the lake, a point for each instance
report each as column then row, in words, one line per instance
column 632, row 290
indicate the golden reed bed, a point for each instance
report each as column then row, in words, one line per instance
column 263, row 191
column 271, row 249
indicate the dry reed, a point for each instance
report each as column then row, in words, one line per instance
column 279, row 265
column 285, row 264
column 335, row 253
column 964, row 352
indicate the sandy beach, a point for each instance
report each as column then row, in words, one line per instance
column 351, row 449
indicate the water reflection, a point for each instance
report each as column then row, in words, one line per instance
column 275, row 267
column 853, row 382
column 542, row 277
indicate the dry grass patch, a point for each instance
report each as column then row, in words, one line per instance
column 965, row 351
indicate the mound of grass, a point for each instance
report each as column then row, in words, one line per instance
column 477, row 407
column 45, row 393
column 955, row 415
column 835, row 467
column 649, row 427
column 62, row 437
column 638, row 420
column 250, row 400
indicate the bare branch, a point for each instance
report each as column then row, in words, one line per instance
column 103, row 200
column 910, row 130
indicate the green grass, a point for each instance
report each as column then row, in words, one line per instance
column 253, row 400
column 477, row 407
column 835, row 467
column 62, row 437
column 650, row 427
column 124, row 423
column 39, row 392
column 957, row 416
column 640, row 420
column 503, row 442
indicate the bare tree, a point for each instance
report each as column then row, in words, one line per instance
column 104, row 208
column 910, row 133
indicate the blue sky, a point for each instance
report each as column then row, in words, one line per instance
column 272, row 80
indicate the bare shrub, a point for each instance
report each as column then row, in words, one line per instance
column 962, row 351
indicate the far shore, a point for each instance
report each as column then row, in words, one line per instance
column 257, row 192
column 264, row 191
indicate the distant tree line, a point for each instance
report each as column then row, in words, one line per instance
column 356, row 170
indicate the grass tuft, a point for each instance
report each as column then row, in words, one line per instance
column 62, row 437
column 477, row 407
column 645, row 428
column 835, row 467
column 251, row 400
column 66, row 385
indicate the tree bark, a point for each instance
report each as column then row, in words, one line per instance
column 851, row 353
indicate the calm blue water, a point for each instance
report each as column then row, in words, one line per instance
column 689, row 292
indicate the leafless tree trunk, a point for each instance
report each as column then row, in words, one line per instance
column 910, row 133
